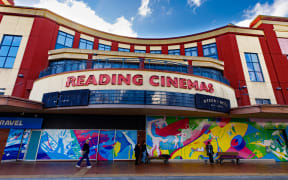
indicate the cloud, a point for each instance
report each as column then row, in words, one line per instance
column 195, row 3
column 81, row 13
column 277, row 8
column 144, row 10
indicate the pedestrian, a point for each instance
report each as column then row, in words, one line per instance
column 209, row 149
column 137, row 150
column 144, row 152
column 85, row 155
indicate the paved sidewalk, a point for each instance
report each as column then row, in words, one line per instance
column 156, row 170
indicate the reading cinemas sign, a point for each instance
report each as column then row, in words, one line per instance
column 138, row 80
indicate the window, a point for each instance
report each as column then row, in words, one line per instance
column 254, row 68
column 2, row 91
column 174, row 52
column 155, row 52
column 104, row 47
column 139, row 51
column 263, row 101
column 8, row 50
column 85, row 44
column 191, row 51
column 123, row 50
column 64, row 40
column 210, row 50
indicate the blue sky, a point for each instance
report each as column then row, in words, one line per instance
column 160, row 18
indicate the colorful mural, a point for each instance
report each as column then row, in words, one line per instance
column 124, row 144
column 16, row 144
column 186, row 138
column 67, row 144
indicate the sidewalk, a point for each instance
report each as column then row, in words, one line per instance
column 157, row 170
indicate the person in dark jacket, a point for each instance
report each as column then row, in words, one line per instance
column 209, row 149
column 85, row 153
column 137, row 150
column 144, row 152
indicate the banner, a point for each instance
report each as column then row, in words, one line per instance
column 20, row 123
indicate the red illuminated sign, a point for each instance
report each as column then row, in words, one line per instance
column 128, row 79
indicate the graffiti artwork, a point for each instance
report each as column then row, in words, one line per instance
column 186, row 138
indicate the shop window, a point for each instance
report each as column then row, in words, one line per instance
column 64, row 40
column 85, row 44
column 254, row 68
column 104, row 47
column 193, row 51
column 174, row 52
column 210, row 50
column 155, row 52
column 139, row 51
column 263, row 101
column 8, row 50
column 123, row 50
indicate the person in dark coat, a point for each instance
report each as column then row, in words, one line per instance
column 85, row 153
column 137, row 150
column 209, row 149
column 144, row 152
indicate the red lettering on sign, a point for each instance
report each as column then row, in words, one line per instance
column 91, row 80
column 104, row 79
column 153, row 79
column 170, row 81
column 70, row 80
column 163, row 81
column 114, row 79
column 183, row 83
column 80, row 80
column 210, row 87
column 192, row 84
column 138, row 80
column 126, row 80
column 203, row 87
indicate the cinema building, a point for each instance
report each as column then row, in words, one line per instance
column 62, row 82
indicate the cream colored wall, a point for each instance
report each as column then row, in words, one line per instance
column 89, row 38
column 155, row 48
column 126, row 46
column 66, row 30
column 101, row 41
column 209, row 41
column 190, row 45
column 13, row 25
column 281, row 31
column 140, row 47
column 43, row 85
column 262, row 90
column 173, row 47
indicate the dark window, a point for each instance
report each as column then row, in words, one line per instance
column 210, row 50
column 263, row 101
column 8, row 50
column 104, row 47
column 191, row 51
column 66, row 65
column 155, row 52
column 123, row 50
column 139, row 51
column 254, row 68
column 174, row 52
column 64, row 40
column 85, row 44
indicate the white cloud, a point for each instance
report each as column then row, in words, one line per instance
column 81, row 13
column 277, row 8
column 144, row 10
column 195, row 3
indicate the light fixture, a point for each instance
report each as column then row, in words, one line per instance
column 278, row 88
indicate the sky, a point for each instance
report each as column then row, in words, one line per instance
column 160, row 18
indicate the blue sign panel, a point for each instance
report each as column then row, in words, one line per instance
column 212, row 103
column 20, row 123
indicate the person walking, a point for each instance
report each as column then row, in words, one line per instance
column 144, row 152
column 137, row 150
column 85, row 153
column 209, row 149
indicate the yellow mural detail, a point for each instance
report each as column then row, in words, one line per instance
column 117, row 148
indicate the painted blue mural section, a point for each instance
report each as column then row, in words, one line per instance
column 124, row 144
column 13, row 144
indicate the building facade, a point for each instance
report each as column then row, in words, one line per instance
column 62, row 82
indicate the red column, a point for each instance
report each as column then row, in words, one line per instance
column 76, row 40
column 132, row 48
column 164, row 49
column 200, row 49
column 147, row 49
column 182, row 50
column 96, row 43
column 114, row 46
